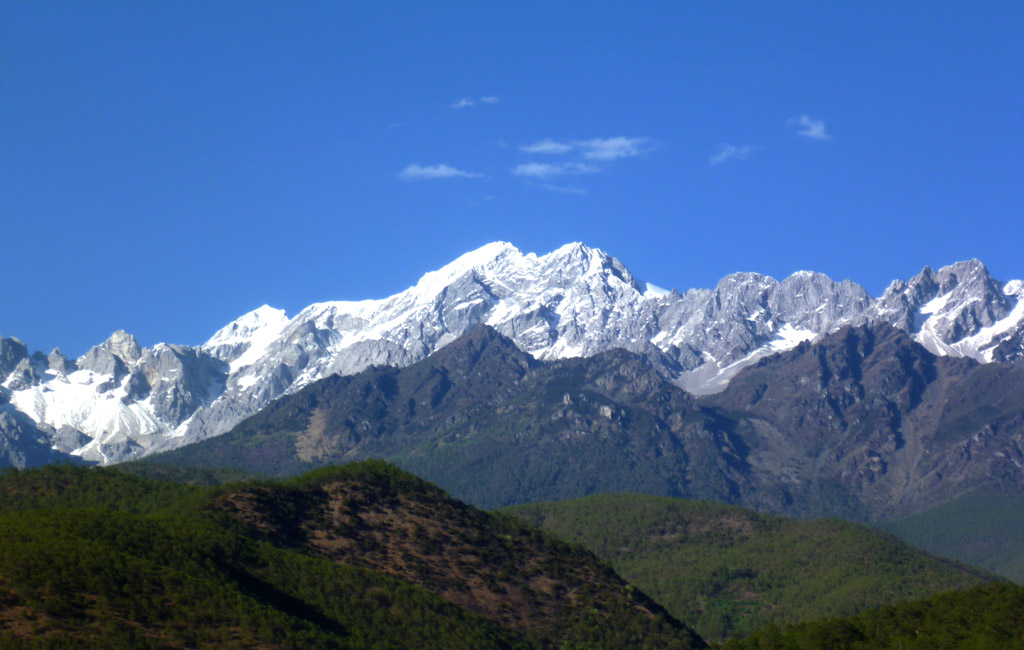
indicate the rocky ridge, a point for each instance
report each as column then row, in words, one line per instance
column 864, row 423
column 121, row 401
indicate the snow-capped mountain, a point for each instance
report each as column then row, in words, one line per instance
column 121, row 401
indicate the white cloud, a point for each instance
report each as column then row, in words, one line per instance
column 580, row 168
column 731, row 151
column 583, row 151
column 810, row 128
column 563, row 189
column 593, row 149
column 547, row 145
column 416, row 171
column 466, row 102
column 542, row 170
column 537, row 170
column 612, row 148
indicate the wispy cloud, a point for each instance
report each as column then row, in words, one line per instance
column 547, row 145
column 814, row 129
column 612, row 148
column 543, row 170
column 537, row 170
column 593, row 149
column 582, row 158
column 466, row 102
column 415, row 172
column 562, row 189
column 729, row 151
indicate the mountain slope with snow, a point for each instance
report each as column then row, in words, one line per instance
column 120, row 401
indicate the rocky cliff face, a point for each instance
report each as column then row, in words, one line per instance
column 864, row 423
column 573, row 302
column 869, row 412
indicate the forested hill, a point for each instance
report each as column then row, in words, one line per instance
column 983, row 618
column 729, row 570
column 363, row 556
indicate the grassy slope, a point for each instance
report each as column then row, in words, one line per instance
column 728, row 570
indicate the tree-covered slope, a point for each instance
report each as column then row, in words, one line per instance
column 78, row 578
column 728, row 570
column 985, row 529
column 983, row 618
column 348, row 558
column 376, row 516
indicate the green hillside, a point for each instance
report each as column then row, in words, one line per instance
column 983, row 618
column 364, row 556
column 985, row 529
column 728, row 570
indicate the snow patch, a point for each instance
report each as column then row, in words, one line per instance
column 654, row 291
column 246, row 381
column 74, row 401
column 789, row 338
column 981, row 345
column 936, row 304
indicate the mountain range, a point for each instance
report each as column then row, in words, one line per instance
column 121, row 401
column 865, row 424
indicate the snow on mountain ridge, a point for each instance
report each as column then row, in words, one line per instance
column 245, row 340
column 574, row 301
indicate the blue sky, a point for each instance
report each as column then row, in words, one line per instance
column 166, row 167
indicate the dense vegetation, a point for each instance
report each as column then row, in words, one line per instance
column 984, row 618
column 376, row 516
column 96, row 578
column 728, row 570
column 81, row 567
column 98, row 558
column 369, row 556
column 985, row 529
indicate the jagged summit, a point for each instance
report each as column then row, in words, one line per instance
column 959, row 310
column 121, row 400
column 243, row 341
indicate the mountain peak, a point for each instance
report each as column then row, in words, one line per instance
column 573, row 248
column 478, row 259
column 244, row 340
column 745, row 277
column 122, row 345
column 481, row 343
column 247, row 324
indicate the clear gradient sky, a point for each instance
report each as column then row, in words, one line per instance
column 168, row 166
